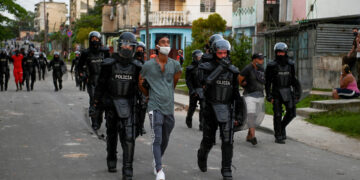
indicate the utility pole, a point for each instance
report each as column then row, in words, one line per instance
column 147, row 30
column 45, row 26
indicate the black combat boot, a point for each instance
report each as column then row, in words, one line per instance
column 111, row 163
column 227, row 154
column 189, row 122
column 202, row 156
column 2, row 87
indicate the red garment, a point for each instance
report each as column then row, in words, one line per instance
column 18, row 71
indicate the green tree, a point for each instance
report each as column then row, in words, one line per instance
column 240, row 50
column 202, row 29
column 10, row 6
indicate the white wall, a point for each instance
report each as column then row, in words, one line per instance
column 223, row 7
column 333, row 8
column 192, row 8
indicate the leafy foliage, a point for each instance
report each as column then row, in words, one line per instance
column 7, row 26
column 241, row 50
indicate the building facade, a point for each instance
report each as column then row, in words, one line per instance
column 175, row 17
column 80, row 7
column 56, row 15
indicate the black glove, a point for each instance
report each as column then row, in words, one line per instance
column 92, row 110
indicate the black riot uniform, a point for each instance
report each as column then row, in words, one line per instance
column 74, row 66
column 195, row 89
column 219, row 77
column 283, row 89
column 92, row 59
column 4, row 70
column 56, row 65
column 118, row 84
column 42, row 66
column 29, row 65
column 142, row 100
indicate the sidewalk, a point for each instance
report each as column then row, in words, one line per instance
column 307, row 133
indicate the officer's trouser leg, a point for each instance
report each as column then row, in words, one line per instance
column 7, row 77
column 277, row 108
column 226, row 134
column 27, row 81
column 55, row 82
column 127, row 138
column 2, row 81
column 289, row 116
column 191, row 110
column 33, row 79
column 112, row 128
column 209, row 135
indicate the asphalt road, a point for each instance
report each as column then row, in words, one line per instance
column 43, row 135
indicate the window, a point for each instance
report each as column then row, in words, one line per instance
column 207, row 5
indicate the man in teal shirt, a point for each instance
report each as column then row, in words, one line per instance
column 161, row 75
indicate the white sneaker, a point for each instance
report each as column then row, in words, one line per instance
column 160, row 175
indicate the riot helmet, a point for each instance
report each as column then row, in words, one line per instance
column 139, row 53
column 126, row 45
column 212, row 39
column 220, row 47
column 281, row 47
column 56, row 55
column 94, row 40
column 196, row 55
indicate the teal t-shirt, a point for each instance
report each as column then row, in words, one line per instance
column 161, row 92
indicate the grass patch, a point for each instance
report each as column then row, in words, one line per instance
column 181, row 85
column 344, row 122
column 302, row 104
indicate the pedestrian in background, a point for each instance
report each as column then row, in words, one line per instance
column 252, row 79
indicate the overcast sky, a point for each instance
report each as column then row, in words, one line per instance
column 29, row 5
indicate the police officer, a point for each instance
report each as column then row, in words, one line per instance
column 56, row 64
column 4, row 70
column 142, row 101
column 29, row 65
column 208, row 55
column 117, row 89
column 42, row 64
column 219, row 77
column 92, row 58
column 74, row 64
column 195, row 88
column 281, row 88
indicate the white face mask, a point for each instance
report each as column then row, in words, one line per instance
column 165, row 50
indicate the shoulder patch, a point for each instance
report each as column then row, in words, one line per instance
column 108, row 61
column 206, row 66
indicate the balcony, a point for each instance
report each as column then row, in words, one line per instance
column 168, row 18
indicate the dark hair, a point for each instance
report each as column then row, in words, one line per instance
column 355, row 28
column 160, row 36
column 346, row 69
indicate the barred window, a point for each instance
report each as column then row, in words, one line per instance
column 207, row 5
